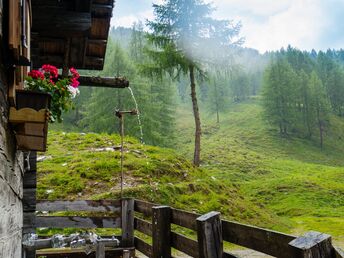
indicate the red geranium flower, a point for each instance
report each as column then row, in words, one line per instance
column 74, row 72
column 35, row 74
column 52, row 70
column 74, row 82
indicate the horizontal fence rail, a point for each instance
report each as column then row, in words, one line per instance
column 266, row 241
column 161, row 227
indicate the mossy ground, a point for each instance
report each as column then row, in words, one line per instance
column 249, row 172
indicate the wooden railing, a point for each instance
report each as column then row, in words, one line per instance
column 162, row 225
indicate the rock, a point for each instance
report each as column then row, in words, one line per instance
column 42, row 158
column 80, row 194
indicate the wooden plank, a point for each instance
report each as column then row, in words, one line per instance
column 143, row 247
column 209, row 235
column 100, row 250
column 161, row 221
column 184, row 244
column 29, row 180
column 144, row 207
column 262, row 240
column 184, row 219
column 80, row 205
column 29, row 222
column 312, row 245
column 229, row 255
column 29, row 200
column 127, row 222
column 77, row 253
column 27, row 142
column 339, row 253
column 28, row 115
column 77, row 222
column 104, row 82
column 65, row 22
column 143, row 226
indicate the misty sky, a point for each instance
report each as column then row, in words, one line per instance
column 267, row 24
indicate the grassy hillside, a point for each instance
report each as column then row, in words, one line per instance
column 289, row 177
column 249, row 172
column 84, row 166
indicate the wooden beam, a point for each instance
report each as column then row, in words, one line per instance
column 161, row 221
column 209, row 235
column 106, row 82
column 143, row 247
column 59, row 22
column 263, row 240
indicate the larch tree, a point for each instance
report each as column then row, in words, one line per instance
column 320, row 105
column 279, row 94
column 180, row 31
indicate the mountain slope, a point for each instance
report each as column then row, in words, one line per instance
column 289, row 177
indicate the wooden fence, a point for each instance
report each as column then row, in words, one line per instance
column 161, row 225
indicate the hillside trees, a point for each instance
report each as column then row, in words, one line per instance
column 180, row 30
column 300, row 90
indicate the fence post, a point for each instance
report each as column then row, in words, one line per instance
column 312, row 245
column 161, row 225
column 209, row 235
column 100, row 250
column 127, row 222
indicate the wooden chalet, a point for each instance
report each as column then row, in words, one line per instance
column 73, row 33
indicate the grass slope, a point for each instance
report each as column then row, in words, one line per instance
column 75, row 168
column 289, row 177
column 248, row 172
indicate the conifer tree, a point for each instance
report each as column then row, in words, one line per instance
column 179, row 29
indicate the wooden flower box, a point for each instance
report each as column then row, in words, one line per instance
column 30, row 120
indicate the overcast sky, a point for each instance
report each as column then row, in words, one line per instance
column 267, row 24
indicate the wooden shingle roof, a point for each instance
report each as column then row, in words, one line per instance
column 70, row 32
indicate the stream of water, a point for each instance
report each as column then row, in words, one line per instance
column 138, row 114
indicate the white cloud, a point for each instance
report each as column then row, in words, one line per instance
column 253, row 7
column 296, row 22
column 267, row 24
column 129, row 20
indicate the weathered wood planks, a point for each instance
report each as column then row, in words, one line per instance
column 262, row 240
column 184, row 244
column 143, row 247
column 143, row 226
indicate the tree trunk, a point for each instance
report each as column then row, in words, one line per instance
column 321, row 130
column 198, row 131
column 217, row 103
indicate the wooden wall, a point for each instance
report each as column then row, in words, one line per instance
column 11, row 186
column 11, row 165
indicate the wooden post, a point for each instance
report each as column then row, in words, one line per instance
column 312, row 245
column 29, row 198
column 127, row 222
column 161, row 226
column 100, row 250
column 209, row 235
